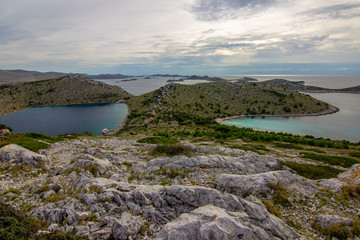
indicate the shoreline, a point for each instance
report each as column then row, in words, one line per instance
column 124, row 121
column 330, row 110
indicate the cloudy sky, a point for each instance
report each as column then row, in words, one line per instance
column 214, row 37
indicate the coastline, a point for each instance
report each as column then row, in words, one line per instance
column 124, row 121
column 330, row 110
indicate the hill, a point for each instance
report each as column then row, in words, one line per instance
column 299, row 86
column 72, row 89
column 206, row 101
column 11, row 76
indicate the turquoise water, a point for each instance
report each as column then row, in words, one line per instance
column 55, row 120
column 344, row 124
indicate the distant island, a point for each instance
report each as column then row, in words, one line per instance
column 299, row 86
column 107, row 76
column 11, row 76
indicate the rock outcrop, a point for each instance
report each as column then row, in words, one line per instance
column 16, row 154
column 112, row 187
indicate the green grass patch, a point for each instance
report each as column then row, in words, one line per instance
column 158, row 140
column 315, row 150
column 270, row 206
column 312, row 171
column 34, row 141
column 355, row 154
column 288, row 146
column 172, row 150
column 332, row 160
column 16, row 225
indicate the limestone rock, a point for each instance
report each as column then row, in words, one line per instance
column 210, row 222
column 20, row 155
column 257, row 184
column 325, row 221
column 127, row 226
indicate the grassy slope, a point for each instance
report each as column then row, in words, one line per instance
column 221, row 99
column 74, row 89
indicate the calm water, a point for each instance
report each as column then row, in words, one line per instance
column 344, row 124
column 55, row 120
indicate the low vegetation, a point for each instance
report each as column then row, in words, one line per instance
column 15, row 225
column 172, row 150
column 332, row 160
column 201, row 103
column 312, row 171
column 33, row 141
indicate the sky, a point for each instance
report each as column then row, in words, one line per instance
column 213, row 37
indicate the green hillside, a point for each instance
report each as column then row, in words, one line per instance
column 186, row 103
column 72, row 89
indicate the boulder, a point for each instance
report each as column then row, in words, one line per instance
column 20, row 155
column 258, row 184
column 127, row 226
column 326, row 221
column 211, row 222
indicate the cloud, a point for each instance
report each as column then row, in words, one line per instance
column 339, row 11
column 215, row 10
column 9, row 34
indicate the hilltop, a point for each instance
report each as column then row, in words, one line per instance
column 201, row 103
column 72, row 89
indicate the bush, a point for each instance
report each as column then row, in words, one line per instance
column 270, row 206
column 157, row 140
column 279, row 195
column 332, row 160
column 288, row 146
column 313, row 171
column 172, row 150
column 3, row 126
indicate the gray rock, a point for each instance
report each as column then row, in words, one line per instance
column 325, row 221
column 48, row 194
column 102, row 234
column 20, row 155
column 127, row 226
column 82, row 230
column 334, row 184
column 352, row 175
column 210, row 222
column 89, row 199
column 258, row 184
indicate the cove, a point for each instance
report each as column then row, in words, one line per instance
column 343, row 125
column 56, row 120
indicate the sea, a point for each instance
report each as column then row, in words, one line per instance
column 57, row 120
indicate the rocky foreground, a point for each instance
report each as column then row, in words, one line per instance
column 113, row 188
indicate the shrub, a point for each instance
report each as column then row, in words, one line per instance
column 16, row 225
column 279, row 195
column 332, row 160
column 172, row 150
column 270, row 206
column 288, row 146
column 157, row 140
column 313, row 171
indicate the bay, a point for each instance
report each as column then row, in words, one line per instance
column 56, row 120
column 343, row 125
